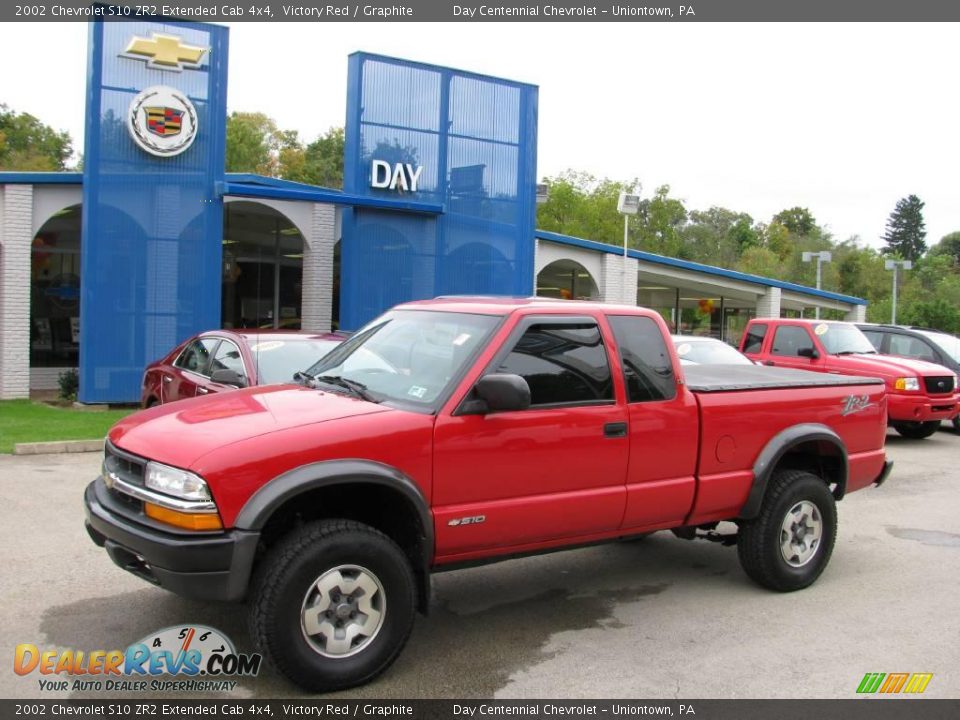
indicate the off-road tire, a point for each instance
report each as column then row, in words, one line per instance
column 759, row 540
column 287, row 573
column 917, row 430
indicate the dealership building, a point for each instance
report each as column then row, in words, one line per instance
column 108, row 269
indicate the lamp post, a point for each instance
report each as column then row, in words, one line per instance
column 893, row 265
column 627, row 205
column 821, row 257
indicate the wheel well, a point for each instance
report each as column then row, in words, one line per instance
column 378, row 506
column 820, row 457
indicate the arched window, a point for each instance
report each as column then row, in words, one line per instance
column 567, row 280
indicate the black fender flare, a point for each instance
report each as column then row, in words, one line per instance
column 264, row 502
column 778, row 446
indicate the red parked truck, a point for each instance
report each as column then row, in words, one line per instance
column 462, row 431
column 919, row 394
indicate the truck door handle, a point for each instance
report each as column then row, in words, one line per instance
column 167, row 379
column 615, row 430
column 202, row 391
column 769, row 362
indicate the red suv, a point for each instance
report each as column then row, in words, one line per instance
column 920, row 394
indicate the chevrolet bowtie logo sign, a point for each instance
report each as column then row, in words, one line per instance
column 164, row 52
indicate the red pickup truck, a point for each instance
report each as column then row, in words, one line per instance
column 463, row 431
column 919, row 394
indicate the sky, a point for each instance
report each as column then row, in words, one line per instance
column 843, row 119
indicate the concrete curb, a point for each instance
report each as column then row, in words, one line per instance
column 60, row 446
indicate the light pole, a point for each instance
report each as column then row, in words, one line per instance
column 893, row 265
column 627, row 204
column 821, row 257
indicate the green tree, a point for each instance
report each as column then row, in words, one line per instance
column 798, row 220
column 906, row 233
column 581, row 205
column 949, row 245
column 251, row 143
column 661, row 220
column 324, row 160
column 28, row 144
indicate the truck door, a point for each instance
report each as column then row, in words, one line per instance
column 664, row 433
column 554, row 471
column 793, row 347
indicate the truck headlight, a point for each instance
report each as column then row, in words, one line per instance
column 907, row 383
column 179, row 483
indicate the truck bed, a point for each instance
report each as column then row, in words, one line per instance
column 729, row 378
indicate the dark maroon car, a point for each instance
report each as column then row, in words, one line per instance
column 221, row 360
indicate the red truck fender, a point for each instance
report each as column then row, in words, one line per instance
column 828, row 446
column 292, row 487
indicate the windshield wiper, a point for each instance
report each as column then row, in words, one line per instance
column 305, row 379
column 357, row 388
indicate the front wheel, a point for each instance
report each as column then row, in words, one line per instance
column 956, row 423
column 333, row 604
column 788, row 545
column 917, row 430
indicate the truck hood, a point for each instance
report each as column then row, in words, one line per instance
column 182, row 432
column 890, row 366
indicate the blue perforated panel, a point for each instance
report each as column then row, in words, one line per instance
column 152, row 226
column 476, row 139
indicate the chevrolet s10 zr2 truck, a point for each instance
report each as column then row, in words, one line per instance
column 461, row 431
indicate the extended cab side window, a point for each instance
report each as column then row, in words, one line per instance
column 911, row 347
column 563, row 364
column 647, row 367
column 196, row 356
column 789, row 340
column 754, row 339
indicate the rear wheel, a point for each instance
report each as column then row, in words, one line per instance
column 956, row 423
column 790, row 542
column 333, row 604
column 917, row 430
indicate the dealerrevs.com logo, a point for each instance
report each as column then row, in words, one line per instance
column 202, row 654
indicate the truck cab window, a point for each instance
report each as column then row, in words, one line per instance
column 789, row 340
column 562, row 364
column 647, row 366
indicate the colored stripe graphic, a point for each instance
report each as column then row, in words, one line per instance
column 918, row 682
column 894, row 683
column 870, row 682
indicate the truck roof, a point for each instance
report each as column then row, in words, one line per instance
column 504, row 305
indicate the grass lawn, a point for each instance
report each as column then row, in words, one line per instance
column 27, row 421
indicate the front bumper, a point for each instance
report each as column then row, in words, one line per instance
column 200, row 565
column 920, row 408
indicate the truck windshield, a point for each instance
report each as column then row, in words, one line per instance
column 843, row 339
column 410, row 357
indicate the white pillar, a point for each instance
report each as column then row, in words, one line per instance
column 317, row 302
column 768, row 305
column 856, row 314
column 16, row 221
column 619, row 284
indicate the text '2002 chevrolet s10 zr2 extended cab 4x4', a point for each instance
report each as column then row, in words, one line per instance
column 461, row 431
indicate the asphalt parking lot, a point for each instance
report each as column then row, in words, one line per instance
column 663, row 618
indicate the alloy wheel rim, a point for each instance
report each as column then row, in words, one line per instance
column 343, row 611
column 801, row 533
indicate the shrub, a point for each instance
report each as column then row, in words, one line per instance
column 69, row 383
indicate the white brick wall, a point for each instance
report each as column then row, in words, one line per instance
column 316, row 312
column 768, row 304
column 857, row 314
column 16, row 221
column 617, row 285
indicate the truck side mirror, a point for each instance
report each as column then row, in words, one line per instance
column 499, row 392
column 809, row 352
column 228, row 377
